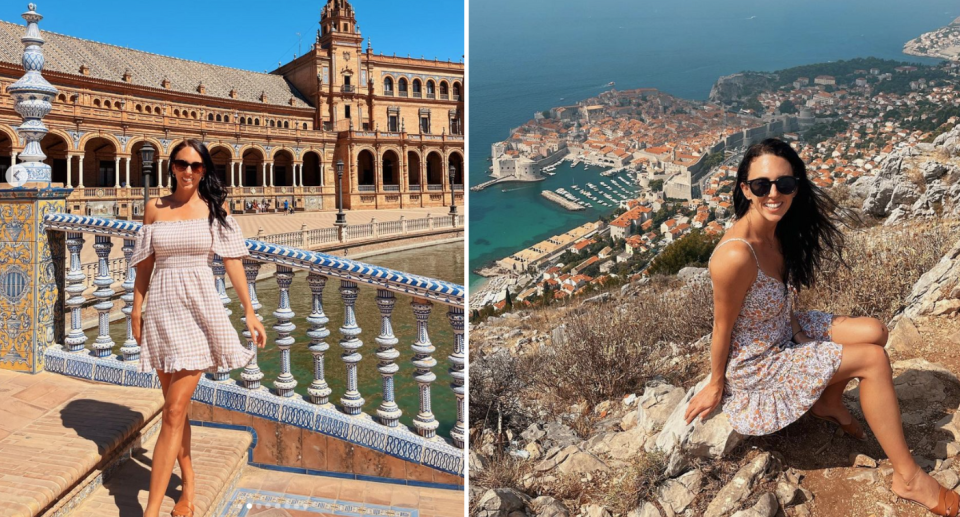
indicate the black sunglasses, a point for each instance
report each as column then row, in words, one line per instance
column 181, row 166
column 761, row 186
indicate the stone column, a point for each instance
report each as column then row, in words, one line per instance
column 69, row 179
column 264, row 182
column 80, row 172
column 232, row 168
column 240, row 174
column 160, row 172
column 116, row 172
column 127, row 159
column 271, row 174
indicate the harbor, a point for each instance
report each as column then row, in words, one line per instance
column 560, row 200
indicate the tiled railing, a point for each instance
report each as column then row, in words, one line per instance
column 380, row 431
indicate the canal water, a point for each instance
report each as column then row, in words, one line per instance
column 443, row 262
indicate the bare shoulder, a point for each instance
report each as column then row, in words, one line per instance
column 151, row 209
column 733, row 264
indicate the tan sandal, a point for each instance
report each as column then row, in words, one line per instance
column 182, row 510
column 948, row 501
column 852, row 429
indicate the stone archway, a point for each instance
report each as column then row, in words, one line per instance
column 312, row 175
column 6, row 152
column 283, row 168
column 366, row 169
column 56, row 148
column 413, row 169
column 222, row 163
column 434, row 168
column 100, row 165
column 251, row 167
column 390, row 170
column 455, row 163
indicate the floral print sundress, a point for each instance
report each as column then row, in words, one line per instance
column 772, row 381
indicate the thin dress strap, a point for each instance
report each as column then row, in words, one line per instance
column 737, row 239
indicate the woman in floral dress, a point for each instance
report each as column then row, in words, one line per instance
column 770, row 365
column 185, row 330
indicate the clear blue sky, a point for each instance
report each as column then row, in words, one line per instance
column 247, row 34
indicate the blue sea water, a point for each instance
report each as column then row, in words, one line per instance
column 531, row 55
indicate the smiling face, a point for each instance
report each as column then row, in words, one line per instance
column 189, row 178
column 775, row 204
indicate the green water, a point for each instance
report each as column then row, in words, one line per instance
column 444, row 262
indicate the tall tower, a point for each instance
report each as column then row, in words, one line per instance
column 338, row 25
column 339, row 42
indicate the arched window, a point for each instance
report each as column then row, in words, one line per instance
column 219, row 118
column 226, row 118
column 387, row 86
column 304, row 126
column 444, row 91
column 286, row 124
column 402, row 85
column 176, row 113
column 193, row 114
column 256, row 122
column 456, row 91
column 106, row 104
column 431, row 89
column 139, row 108
column 271, row 123
column 417, row 90
column 210, row 117
column 157, row 110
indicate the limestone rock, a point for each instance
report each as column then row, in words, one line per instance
column 767, row 506
column 572, row 461
column 951, row 424
column 712, row 438
column 947, row 478
column 594, row 510
column 559, row 435
column 534, row 450
column 629, row 421
column 476, row 462
column 945, row 449
column 693, row 274
column 501, row 502
column 739, row 488
column 905, row 336
column 787, row 493
column 546, row 506
column 677, row 494
column 864, row 476
column 655, row 405
column 623, row 445
column 862, row 460
column 937, row 284
column 533, row 433
column 647, row 509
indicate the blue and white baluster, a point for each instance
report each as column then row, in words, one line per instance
column 388, row 411
column 75, row 279
column 457, row 362
column 319, row 391
column 103, row 344
column 130, row 348
column 285, row 382
column 351, row 400
column 423, row 361
column 222, row 374
column 251, row 372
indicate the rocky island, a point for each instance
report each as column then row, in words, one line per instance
column 943, row 43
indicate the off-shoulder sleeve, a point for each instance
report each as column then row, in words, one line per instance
column 144, row 245
column 228, row 240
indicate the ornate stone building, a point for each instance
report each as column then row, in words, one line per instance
column 397, row 123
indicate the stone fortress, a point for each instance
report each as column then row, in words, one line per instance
column 395, row 122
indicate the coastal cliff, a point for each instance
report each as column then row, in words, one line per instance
column 577, row 409
column 735, row 88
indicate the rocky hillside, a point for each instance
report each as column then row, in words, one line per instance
column 577, row 410
column 736, row 87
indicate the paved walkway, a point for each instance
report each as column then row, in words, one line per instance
column 55, row 429
column 280, row 494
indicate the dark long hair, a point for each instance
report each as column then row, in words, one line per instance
column 210, row 189
column 808, row 230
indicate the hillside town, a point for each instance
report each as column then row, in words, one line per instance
column 842, row 124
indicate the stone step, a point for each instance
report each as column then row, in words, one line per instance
column 218, row 455
column 58, row 433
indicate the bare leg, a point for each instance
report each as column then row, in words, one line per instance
column 187, row 474
column 177, row 401
column 870, row 364
column 847, row 331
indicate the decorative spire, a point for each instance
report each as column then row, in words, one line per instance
column 32, row 95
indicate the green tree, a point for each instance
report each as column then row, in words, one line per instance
column 787, row 106
column 753, row 103
column 693, row 249
column 545, row 113
column 509, row 301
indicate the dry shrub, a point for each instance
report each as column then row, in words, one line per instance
column 915, row 175
column 502, row 471
column 497, row 384
column 885, row 263
column 611, row 348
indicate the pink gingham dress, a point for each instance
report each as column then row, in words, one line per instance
column 772, row 381
column 185, row 326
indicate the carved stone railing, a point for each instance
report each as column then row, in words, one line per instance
column 316, row 411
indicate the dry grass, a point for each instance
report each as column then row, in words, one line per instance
column 884, row 263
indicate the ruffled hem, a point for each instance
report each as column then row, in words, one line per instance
column 209, row 365
column 759, row 412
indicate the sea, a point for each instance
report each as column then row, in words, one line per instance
column 531, row 55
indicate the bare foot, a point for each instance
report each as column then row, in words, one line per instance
column 922, row 489
column 839, row 412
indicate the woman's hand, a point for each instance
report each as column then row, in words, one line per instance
column 257, row 334
column 703, row 403
column 136, row 325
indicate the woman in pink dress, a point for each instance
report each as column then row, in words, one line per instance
column 770, row 365
column 184, row 330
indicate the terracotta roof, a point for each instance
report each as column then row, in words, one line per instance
column 66, row 54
